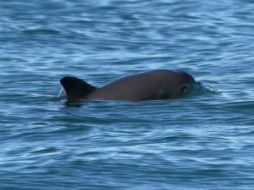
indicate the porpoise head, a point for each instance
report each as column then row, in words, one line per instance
column 184, row 84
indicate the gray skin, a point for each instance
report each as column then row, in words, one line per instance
column 152, row 85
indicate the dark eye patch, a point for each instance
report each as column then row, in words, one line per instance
column 184, row 89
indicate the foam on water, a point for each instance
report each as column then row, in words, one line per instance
column 61, row 93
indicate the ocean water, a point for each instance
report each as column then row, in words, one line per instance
column 203, row 141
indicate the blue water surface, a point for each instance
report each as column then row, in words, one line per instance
column 203, row 141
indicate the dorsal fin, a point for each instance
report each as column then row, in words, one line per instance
column 76, row 88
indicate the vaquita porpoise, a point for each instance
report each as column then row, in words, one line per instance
column 151, row 85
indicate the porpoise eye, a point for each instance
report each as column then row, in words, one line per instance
column 184, row 89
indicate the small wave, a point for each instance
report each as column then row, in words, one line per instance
column 210, row 89
column 202, row 88
column 41, row 31
column 241, row 105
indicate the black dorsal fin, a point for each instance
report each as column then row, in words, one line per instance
column 76, row 88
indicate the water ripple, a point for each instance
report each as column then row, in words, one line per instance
column 202, row 141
